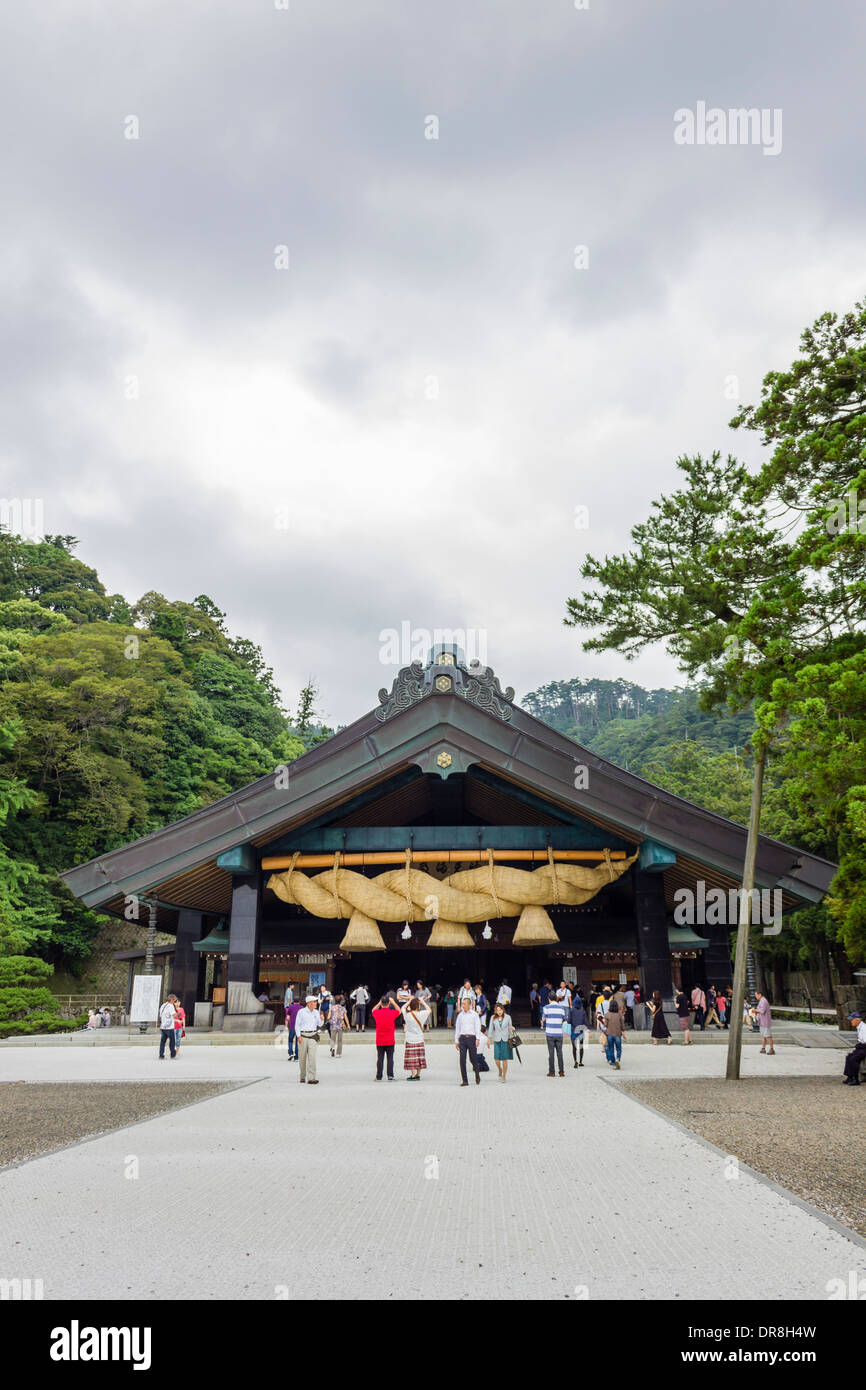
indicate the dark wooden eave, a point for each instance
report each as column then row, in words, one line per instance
column 523, row 754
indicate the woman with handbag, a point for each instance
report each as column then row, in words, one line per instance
column 414, row 1054
column 613, row 1021
column 338, row 1019
column 501, row 1030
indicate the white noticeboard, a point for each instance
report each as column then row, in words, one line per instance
column 146, row 995
column 569, row 974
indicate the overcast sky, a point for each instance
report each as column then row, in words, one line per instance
column 398, row 427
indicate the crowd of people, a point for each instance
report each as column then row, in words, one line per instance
column 323, row 1017
column 564, row 1014
column 437, row 1004
column 98, row 1018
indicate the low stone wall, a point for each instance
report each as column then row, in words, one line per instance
column 106, row 976
column 848, row 997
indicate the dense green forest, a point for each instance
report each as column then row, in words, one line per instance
column 624, row 722
column 115, row 719
column 668, row 738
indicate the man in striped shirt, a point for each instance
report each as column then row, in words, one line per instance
column 553, row 1015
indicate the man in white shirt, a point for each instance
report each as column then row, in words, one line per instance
column 629, row 1007
column 504, row 995
column 858, row 1052
column 307, row 1025
column 167, row 1027
column 467, row 1039
column 465, row 992
column 361, row 996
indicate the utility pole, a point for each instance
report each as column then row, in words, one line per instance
column 735, row 1036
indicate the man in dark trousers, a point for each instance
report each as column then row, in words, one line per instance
column 553, row 1015
column 385, row 1016
column 858, row 1052
column 467, row 1040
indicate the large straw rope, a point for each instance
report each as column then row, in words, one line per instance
column 472, row 895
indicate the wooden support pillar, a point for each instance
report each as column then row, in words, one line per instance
column 653, row 949
column 244, row 1012
column 185, row 971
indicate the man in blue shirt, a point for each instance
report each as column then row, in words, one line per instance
column 553, row 1015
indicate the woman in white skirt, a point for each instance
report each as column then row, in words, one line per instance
column 414, row 1055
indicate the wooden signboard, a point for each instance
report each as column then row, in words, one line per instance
column 146, row 998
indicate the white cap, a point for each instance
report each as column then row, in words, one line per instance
column 311, row 999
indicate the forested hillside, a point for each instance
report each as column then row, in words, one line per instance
column 662, row 735
column 115, row 719
column 628, row 724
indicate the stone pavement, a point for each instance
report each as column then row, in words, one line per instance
column 528, row 1190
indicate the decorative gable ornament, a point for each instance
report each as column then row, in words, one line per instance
column 475, row 683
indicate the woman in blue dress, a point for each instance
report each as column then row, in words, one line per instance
column 499, row 1033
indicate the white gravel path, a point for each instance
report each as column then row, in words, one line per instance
column 535, row 1189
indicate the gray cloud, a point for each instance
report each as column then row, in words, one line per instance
column 432, row 387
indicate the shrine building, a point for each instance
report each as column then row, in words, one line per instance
column 447, row 833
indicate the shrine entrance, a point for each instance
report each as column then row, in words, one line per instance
column 384, row 970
